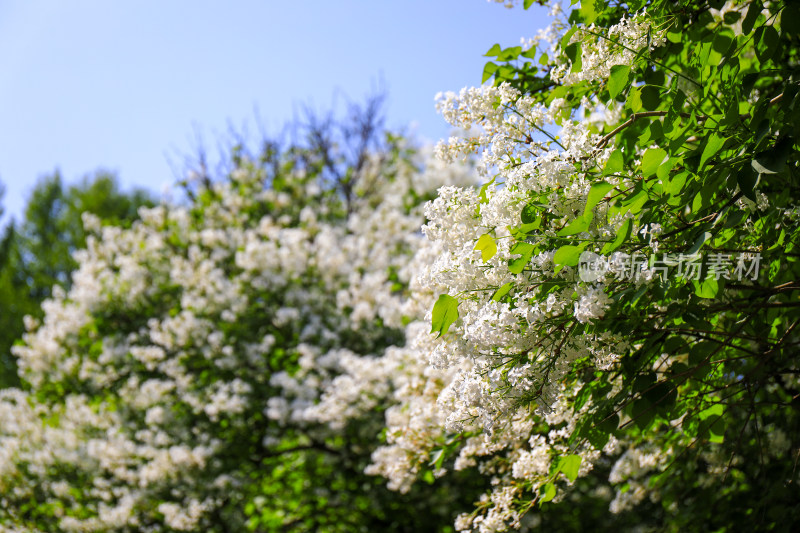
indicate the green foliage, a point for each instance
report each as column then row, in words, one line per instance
column 710, row 132
column 36, row 253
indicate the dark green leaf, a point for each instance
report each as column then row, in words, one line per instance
column 752, row 15
column 766, row 39
column 731, row 17
column 642, row 413
column 651, row 97
column 573, row 52
column 748, row 81
column 747, row 178
column 705, row 236
column 722, row 43
column 713, row 145
column 790, row 19
column 529, row 213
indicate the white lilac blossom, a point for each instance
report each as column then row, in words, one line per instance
column 501, row 352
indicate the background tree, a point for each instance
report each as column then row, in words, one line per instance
column 36, row 253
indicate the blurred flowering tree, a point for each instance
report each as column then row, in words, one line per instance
column 184, row 381
column 616, row 307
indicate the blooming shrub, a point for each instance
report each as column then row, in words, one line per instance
column 601, row 336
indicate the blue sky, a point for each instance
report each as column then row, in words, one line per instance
column 125, row 85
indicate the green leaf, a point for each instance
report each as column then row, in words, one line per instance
column 712, row 423
column 588, row 11
column 488, row 71
column 651, row 97
column 707, row 288
column 484, row 188
column 766, row 39
column 547, row 493
column 623, row 234
column 716, row 431
column 748, row 178
column 790, row 19
column 705, row 236
column 651, row 160
column 509, row 54
column 567, row 36
column 618, row 79
column 635, row 99
column 570, row 466
column 505, row 72
column 596, row 193
column 573, row 52
column 635, row 203
column 527, row 3
column 615, row 163
column 487, row 246
column 494, row 51
column 666, row 167
column 568, row 255
column 437, row 458
column 579, row 225
column 502, row 291
column 714, row 410
column 529, row 213
column 445, row 312
column 525, row 249
column 713, row 145
column 675, row 184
